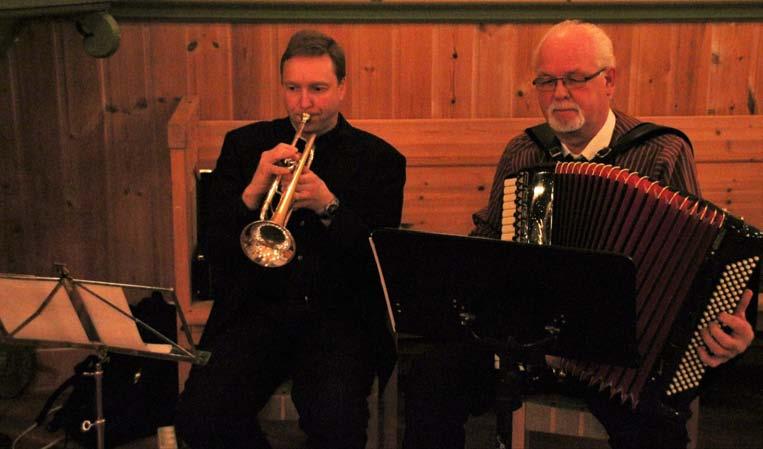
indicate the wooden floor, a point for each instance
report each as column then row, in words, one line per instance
column 731, row 416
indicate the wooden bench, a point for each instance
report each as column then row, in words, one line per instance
column 450, row 168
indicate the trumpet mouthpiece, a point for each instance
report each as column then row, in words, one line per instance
column 305, row 117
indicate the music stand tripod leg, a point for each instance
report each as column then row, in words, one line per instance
column 100, row 421
column 508, row 398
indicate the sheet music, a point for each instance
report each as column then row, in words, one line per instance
column 20, row 298
column 115, row 329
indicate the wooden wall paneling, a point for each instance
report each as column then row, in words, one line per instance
column 727, row 139
column 209, row 69
column 413, row 69
column 736, row 187
column 756, row 75
column 525, row 100
column 135, row 227
column 167, row 67
column 624, row 42
column 732, row 61
column 256, row 80
column 453, row 70
column 167, row 71
column 692, row 60
column 436, row 197
column 84, row 161
column 11, row 168
column 39, row 125
column 652, row 70
column 371, row 63
column 495, row 58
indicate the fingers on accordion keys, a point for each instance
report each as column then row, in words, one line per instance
column 725, row 298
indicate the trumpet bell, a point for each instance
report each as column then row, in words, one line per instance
column 267, row 244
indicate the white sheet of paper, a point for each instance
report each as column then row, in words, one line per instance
column 19, row 298
column 115, row 329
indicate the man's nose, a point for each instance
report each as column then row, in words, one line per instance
column 560, row 89
column 305, row 99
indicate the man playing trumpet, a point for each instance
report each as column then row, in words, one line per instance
column 318, row 319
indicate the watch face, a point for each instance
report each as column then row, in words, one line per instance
column 330, row 209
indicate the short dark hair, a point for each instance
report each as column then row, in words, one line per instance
column 315, row 43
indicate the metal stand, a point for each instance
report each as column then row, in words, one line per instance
column 515, row 375
column 100, row 420
column 67, row 312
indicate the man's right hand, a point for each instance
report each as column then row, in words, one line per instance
column 270, row 166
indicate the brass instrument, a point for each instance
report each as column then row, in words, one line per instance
column 267, row 242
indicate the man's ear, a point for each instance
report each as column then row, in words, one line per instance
column 342, row 86
column 609, row 77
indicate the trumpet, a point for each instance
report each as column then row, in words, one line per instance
column 266, row 241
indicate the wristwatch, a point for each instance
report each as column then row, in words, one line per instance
column 330, row 210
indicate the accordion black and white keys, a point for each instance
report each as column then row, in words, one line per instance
column 693, row 260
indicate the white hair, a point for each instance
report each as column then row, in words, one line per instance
column 605, row 56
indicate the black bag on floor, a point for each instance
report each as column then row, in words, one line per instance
column 138, row 393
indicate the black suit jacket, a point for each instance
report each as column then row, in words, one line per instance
column 333, row 268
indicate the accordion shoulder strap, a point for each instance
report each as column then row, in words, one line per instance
column 545, row 138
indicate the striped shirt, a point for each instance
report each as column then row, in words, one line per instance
column 667, row 159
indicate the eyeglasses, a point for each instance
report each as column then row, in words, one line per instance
column 570, row 81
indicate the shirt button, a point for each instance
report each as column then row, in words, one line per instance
column 302, row 223
column 307, row 298
column 299, row 258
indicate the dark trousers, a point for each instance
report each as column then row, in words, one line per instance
column 447, row 384
column 441, row 388
column 652, row 424
column 257, row 350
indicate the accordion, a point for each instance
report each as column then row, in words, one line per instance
column 693, row 260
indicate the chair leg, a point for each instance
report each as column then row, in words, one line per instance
column 692, row 425
column 518, row 432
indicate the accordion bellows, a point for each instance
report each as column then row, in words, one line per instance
column 693, row 260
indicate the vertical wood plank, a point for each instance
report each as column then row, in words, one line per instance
column 11, row 169
column 209, row 70
column 496, row 56
column 625, row 44
column 134, row 242
column 371, row 62
column 84, row 176
column 167, row 72
column 39, row 127
column 731, row 64
column 255, row 72
column 167, row 68
column 652, row 70
column 692, row 61
column 525, row 102
column 453, row 70
column 413, row 69
column 756, row 74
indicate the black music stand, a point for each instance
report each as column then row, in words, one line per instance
column 66, row 312
column 515, row 298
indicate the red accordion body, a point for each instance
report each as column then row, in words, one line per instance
column 693, row 260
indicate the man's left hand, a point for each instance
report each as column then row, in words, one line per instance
column 312, row 193
column 723, row 345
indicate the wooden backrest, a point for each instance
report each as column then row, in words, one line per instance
column 451, row 164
